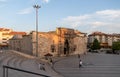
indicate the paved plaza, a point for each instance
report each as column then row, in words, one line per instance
column 24, row 62
column 94, row 65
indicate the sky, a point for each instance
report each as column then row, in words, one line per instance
column 84, row 15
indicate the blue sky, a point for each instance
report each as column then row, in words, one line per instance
column 84, row 15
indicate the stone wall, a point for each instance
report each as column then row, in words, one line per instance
column 81, row 45
column 61, row 42
column 54, row 43
column 45, row 40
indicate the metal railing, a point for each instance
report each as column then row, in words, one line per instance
column 5, row 71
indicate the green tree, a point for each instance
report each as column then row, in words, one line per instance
column 116, row 46
column 95, row 45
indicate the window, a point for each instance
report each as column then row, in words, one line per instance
column 52, row 48
column 4, row 42
column 4, row 39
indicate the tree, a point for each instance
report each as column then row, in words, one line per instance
column 95, row 45
column 116, row 46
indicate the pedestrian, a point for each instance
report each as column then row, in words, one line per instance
column 78, row 55
column 51, row 61
column 80, row 63
column 41, row 67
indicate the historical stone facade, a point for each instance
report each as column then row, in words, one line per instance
column 63, row 41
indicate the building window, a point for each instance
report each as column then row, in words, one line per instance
column 4, row 42
column 4, row 39
column 52, row 48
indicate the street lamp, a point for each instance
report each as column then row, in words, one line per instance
column 36, row 7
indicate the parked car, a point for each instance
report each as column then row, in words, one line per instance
column 95, row 51
column 117, row 52
column 109, row 51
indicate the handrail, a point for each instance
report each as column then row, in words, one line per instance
column 5, row 71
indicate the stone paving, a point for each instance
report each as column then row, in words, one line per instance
column 94, row 65
column 25, row 62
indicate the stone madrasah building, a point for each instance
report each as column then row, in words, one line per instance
column 63, row 41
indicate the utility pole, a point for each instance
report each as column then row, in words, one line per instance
column 37, row 7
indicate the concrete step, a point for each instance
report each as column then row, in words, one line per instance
column 24, row 62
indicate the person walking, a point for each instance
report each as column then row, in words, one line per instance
column 79, row 56
column 41, row 67
column 80, row 63
column 51, row 61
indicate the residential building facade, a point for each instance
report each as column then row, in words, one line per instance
column 6, row 34
column 105, row 40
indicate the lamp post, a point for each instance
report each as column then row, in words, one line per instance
column 37, row 7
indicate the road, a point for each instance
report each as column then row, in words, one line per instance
column 94, row 65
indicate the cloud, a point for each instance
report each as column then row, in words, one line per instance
column 40, row 1
column 109, row 13
column 25, row 11
column 46, row 1
column 104, row 20
column 76, row 18
column 98, row 23
column 75, row 21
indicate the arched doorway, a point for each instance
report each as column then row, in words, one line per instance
column 66, row 47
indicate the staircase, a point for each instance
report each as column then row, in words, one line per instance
column 25, row 62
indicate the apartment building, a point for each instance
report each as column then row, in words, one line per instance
column 6, row 34
column 105, row 40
